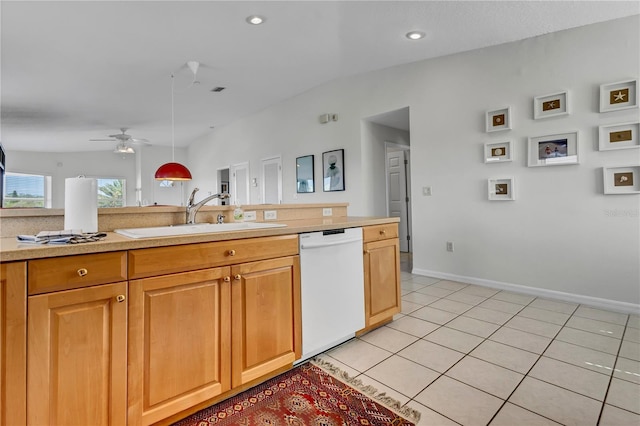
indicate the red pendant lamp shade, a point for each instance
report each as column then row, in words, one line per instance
column 173, row 171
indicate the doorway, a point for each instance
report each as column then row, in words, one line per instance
column 223, row 185
column 389, row 143
column 272, row 180
column 398, row 189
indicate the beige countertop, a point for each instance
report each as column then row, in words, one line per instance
column 12, row 250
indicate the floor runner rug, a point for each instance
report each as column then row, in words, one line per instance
column 307, row 395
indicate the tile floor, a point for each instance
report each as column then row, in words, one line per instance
column 470, row 355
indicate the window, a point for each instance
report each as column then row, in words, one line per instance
column 111, row 192
column 26, row 190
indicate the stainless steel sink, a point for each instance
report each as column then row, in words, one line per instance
column 198, row 228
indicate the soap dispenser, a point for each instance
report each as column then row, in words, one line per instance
column 238, row 214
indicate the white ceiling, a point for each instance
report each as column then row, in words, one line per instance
column 76, row 70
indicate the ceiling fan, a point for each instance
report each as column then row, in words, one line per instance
column 123, row 139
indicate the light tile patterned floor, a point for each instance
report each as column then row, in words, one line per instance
column 470, row 355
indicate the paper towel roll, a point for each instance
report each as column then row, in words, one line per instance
column 81, row 204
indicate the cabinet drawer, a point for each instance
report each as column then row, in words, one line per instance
column 190, row 257
column 65, row 273
column 379, row 232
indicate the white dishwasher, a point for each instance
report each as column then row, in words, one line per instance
column 332, row 281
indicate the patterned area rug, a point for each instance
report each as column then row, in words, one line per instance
column 307, row 395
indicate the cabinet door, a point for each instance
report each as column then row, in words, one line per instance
column 77, row 357
column 382, row 280
column 179, row 342
column 13, row 343
column 266, row 320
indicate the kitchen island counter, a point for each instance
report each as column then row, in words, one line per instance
column 13, row 250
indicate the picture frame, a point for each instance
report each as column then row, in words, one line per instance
column 333, row 170
column 498, row 152
column 499, row 119
column 619, row 136
column 619, row 95
column 501, row 189
column 553, row 150
column 305, row 172
column 621, row 180
column 551, row 105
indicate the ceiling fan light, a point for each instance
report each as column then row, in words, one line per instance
column 173, row 171
column 124, row 149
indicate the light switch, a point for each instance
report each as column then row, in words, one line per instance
column 426, row 190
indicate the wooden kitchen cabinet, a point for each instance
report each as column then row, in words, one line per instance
column 207, row 317
column 266, row 317
column 381, row 274
column 77, row 365
column 13, row 343
column 179, row 342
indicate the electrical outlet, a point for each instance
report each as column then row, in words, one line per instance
column 327, row 211
column 449, row 245
column 270, row 215
column 250, row 215
column 426, row 190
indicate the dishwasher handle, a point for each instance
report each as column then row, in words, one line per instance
column 330, row 243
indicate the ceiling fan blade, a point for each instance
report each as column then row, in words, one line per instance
column 139, row 141
column 102, row 140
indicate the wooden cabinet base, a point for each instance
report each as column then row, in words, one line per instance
column 13, row 343
column 77, row 359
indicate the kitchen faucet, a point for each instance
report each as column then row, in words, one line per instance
column 192, row 209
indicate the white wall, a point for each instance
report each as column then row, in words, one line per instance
column 559, row 235
column 62, row 165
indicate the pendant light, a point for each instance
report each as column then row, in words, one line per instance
column 173, row 170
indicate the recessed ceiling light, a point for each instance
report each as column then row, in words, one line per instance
column 415, row 35
column 255, row 19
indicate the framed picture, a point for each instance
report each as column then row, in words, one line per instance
column 553, row 150
column 224, row 187
column 502, row 189
column 551, row 105
column 621, row 180
column 305, row 174
column 333, row 170
column 499, row 119
column 618, row 136
column 620, row 95
column 498, row 152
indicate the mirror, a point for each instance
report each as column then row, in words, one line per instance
column 304, row 174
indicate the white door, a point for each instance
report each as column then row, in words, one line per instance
column 272, row 180
column 397, row 193
column 240, row 184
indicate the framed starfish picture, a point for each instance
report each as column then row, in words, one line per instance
column 551, row 105
column 620, row 95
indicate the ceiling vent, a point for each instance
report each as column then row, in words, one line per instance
column 218, row 89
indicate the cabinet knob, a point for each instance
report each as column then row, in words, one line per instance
column 82, row 272
column 226, row 279
column 232, row 252
column 237, row 277
column 121, row 298
column 383, row 231
column 367, row 252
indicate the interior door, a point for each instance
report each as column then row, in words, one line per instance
column 272, row 180
column 241, row 193
column 397, row 193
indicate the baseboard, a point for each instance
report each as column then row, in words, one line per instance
column 612, row 305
